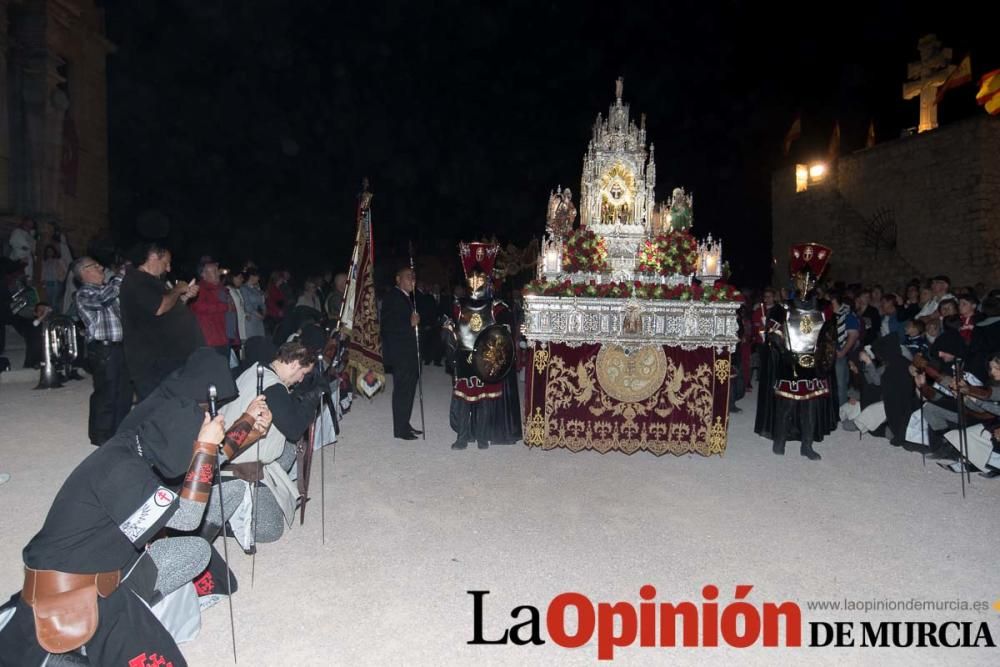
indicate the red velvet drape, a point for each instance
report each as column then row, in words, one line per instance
column 567, row 406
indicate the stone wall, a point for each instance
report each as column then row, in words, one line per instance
column 941, row 188
column 60, row 64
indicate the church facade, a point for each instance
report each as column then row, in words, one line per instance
column 53, row 116
column 918, row 206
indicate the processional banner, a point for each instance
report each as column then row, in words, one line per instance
column 359, row 323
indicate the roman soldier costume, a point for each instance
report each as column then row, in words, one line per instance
column 800, row 356
column 484, row 402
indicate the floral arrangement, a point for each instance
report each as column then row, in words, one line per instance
column 720, row 291
column 585, row 252
column 669, row 253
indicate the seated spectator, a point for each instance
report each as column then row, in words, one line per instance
column 968, row 306
column 940, row 286
column 915, row 341
column 932, row 329
column 940, row 411
column 911, row 304
column 981, row 439
column 948, row 308
column 890, row 320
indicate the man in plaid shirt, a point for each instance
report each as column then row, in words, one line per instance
column 97, row 305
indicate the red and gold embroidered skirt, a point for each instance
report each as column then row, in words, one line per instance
column 603, row 397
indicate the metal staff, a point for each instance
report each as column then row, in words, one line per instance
column 256, row 486
column 420, row 366
column 923, row 433
column 963, row 452
column 213, row 412
column 323, row 401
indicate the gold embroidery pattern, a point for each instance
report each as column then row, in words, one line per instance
column 805, row 325
column 541, row 359
column 677, row 419
column 717, row 437
column 534, row 433
column 631, row 377
column 722, row 370
column 475, row 322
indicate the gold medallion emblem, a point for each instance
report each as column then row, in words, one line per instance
column 806, row 325
column 631, row 376
column 475, row 322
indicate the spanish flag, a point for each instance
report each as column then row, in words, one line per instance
column 959, row 76
column 989, row 92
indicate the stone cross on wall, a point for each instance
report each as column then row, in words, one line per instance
column 925, row 77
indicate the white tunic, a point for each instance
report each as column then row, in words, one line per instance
column 266, row 450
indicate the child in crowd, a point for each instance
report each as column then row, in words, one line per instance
column 915, row 341
column 926, row 333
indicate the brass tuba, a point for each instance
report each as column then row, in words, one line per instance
column 59, row 347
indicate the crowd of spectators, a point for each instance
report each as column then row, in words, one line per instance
column 916, row 365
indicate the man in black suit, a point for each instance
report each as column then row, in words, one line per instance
column 399, row 349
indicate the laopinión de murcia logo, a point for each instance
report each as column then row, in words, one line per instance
column 708, row 623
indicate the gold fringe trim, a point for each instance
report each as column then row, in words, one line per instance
column 473, row 399
column 802, row 397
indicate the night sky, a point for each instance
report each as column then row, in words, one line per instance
column 248, row 125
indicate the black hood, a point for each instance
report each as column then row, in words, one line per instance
column 205, row 366
column 165, row 439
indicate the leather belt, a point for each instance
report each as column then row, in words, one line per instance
column 248, row 472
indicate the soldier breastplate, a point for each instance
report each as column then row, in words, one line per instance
column 473, row 318
column 802, row 327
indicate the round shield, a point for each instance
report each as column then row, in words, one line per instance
column 826, row 347
column 493, row 353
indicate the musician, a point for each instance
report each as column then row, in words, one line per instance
column 982, row 440
column 799, row 361
column 98, row 307
column 487, row 412
column 399, row 345
column 933, row 378
column 93, row 568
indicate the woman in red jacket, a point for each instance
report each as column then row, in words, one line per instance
column 211, row 306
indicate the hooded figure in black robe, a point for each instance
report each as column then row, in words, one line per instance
column 104, row 519
column 205, row 366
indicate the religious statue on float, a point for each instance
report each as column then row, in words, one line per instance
column 561, row 214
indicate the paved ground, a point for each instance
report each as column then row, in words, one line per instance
column 410, row 527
